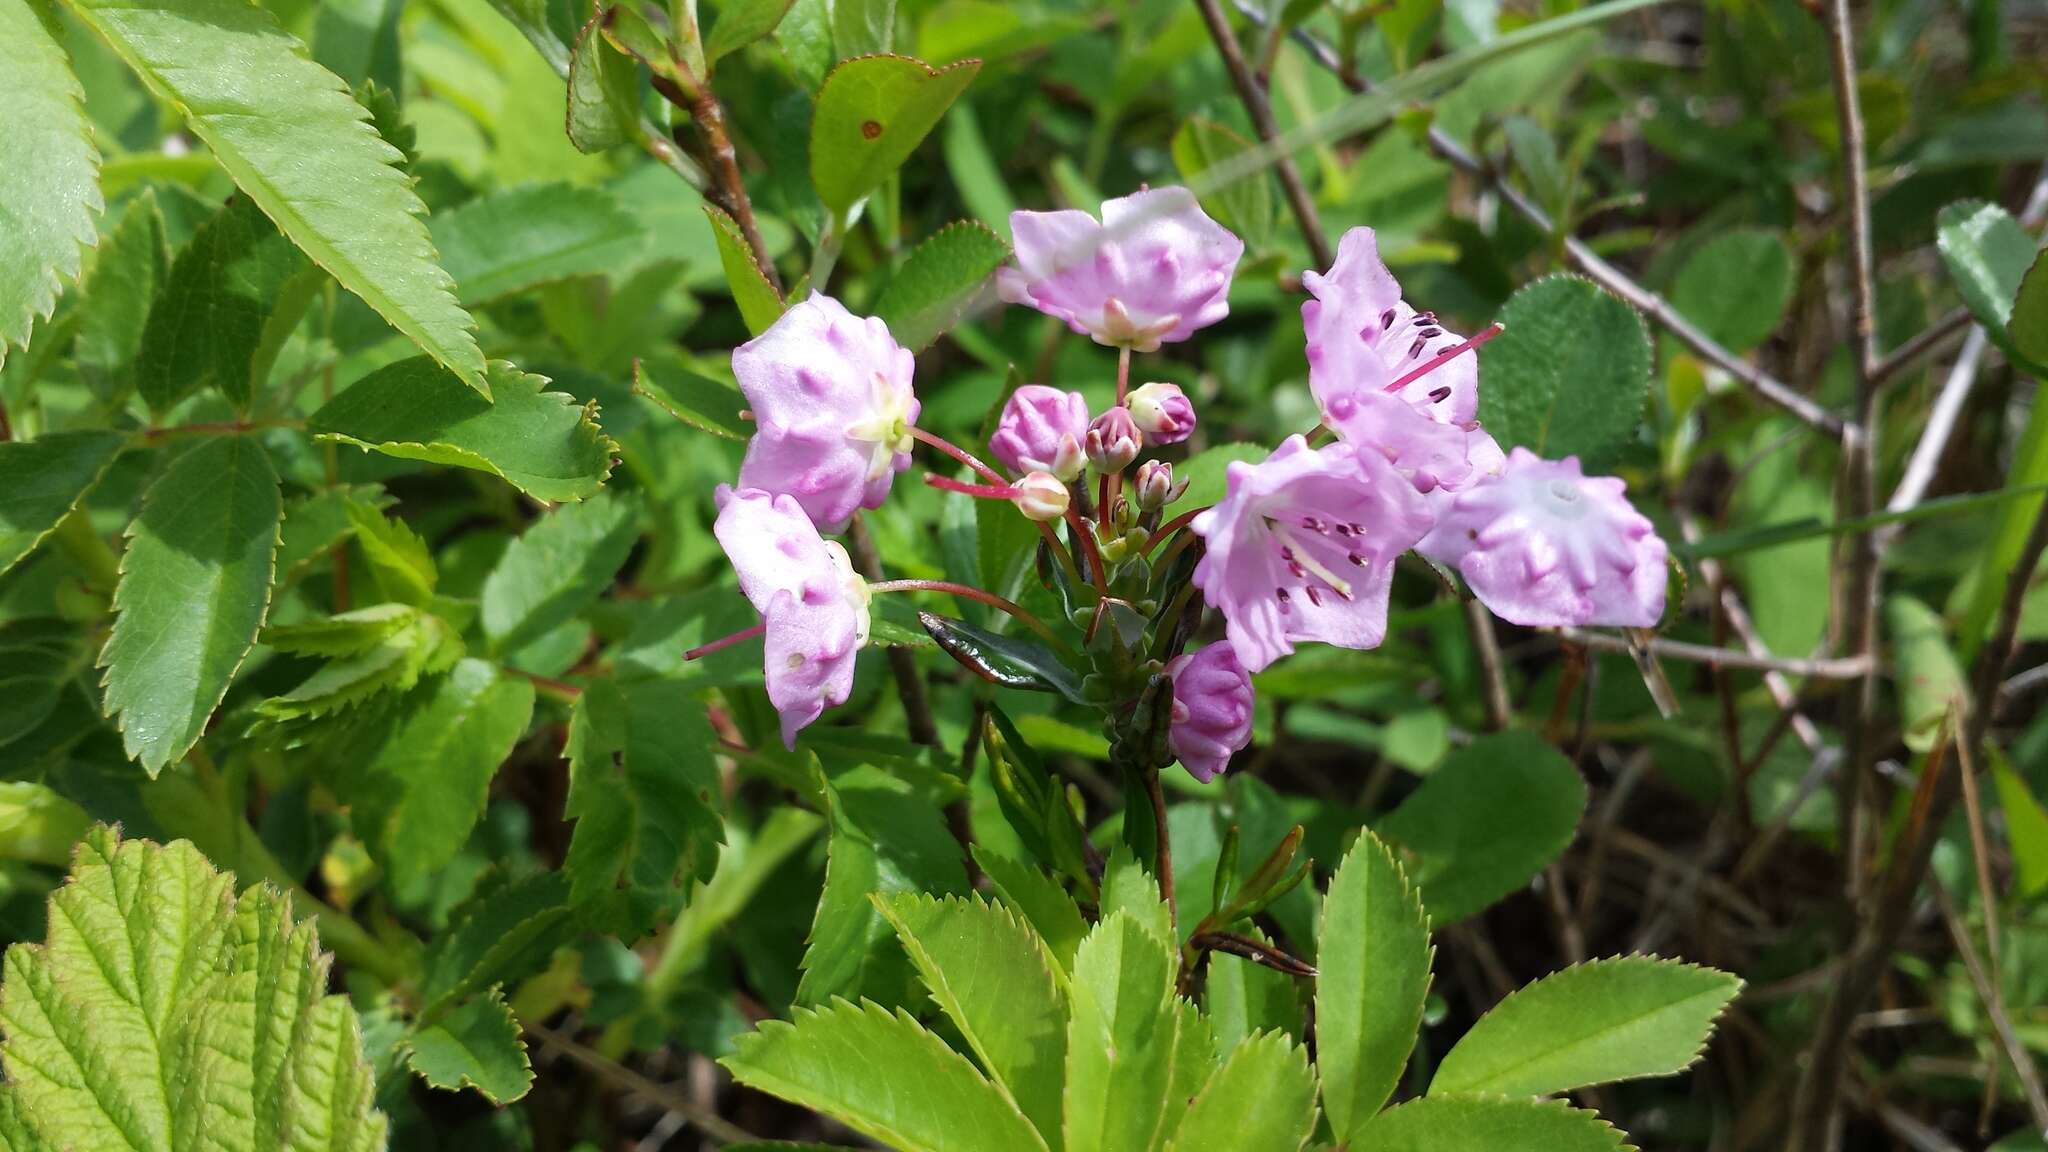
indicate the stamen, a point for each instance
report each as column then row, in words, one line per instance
column 1439, row 395
column 983, row 491
column 1386, row 319
column 1357, row 561
column 703, row 650
column 1300, row 558
column 1444, row 357
column 1313, row 524
column 1314, row 597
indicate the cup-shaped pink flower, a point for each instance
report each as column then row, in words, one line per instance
column 1151, row 271
column 1302, row 547
column 833, row 409
column 1430, row 454
column 1113, row 441
column 1040, row 430
column 1162, row 411
column 1212, row 709
column 1362, row 337
column 812, row 603
column 1544, row 545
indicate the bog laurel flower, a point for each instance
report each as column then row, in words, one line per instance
column 1544, row 545
column 1212, row 709
column 1302, row 547
column 1153, row 270
column 1041, row 496
column 1040, row 430
column 1362, row 337
column 1162, row 411
column 833, row 409
column 1113, row 441
column 813, row 605
column 1155, row 485
column 1431, row 455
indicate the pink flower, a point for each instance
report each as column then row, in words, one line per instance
column 1432, row 455
column 1544, row 545
column 1212, row 709
column 813, row 605
column 833, row 409
column 1154, row 270
column 1362, row 337
column 1113, row 441
column 1302, row 547
column 1040, row 430
column 1041, row 496
column 1162, row 411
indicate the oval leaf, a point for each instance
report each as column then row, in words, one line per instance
column 1569, row 375
column 872, row 113
column 1372, row 963
column 937, row 281
column 1464, row 1124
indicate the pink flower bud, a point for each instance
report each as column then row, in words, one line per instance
column 1041, row 496
column 1212, row 709
column 1163, row 413
column 1041, row 430
column 1156, row 487
column 1113, row 441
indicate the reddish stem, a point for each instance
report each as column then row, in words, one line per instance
column 1086, row 535
column 960, row 454
column 1445, row 357
column 980, row 491
column 724, row 642
column 980, row 596
column 1171, row 526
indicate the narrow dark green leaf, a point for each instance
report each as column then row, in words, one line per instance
column 703, row 403
column 42, row 480
column 759, row 303
column 872, row 113
column 503, row 932
column 130, row 269
column 937, row 281
column 519, row 238
column 1569, row 375
column 1007, row 660
column 643, row 790
column 557, row 568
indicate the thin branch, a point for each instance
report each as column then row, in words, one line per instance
column 1260, row 109
column 714, row 1127
column 1929, row 338
column 910, row 686
column 1986, row 984
column 1500, row 710
column 695, row 98
column 1839, row 668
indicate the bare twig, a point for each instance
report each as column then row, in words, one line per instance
column 1260, row 109
column 1986, row 984
column 1841, row 668
column 713, row 1126
column 1500, row 710
column 696, row 98
column 1924, row 343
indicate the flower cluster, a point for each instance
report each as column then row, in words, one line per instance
column 1301, row 547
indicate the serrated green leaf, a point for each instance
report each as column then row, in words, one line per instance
column 1243, row 999
column 504, row 931
column 753, row 293
column 937, row 281
column 992, row 977
column 740, row 23
column 2027, row 331
column 475, row 1046
column 519, row 238
column 292, row 136
column 343, row 634
column 414, row 801
column 131, row 267
column 703, row 403
column 49, row 173
column 316, row 524
column 1568, row 376
column 872, row 113
column 1246, row 207
column 1040, row 900
column 1466, row 1124
column 1128, row 887
column 556, row 568
column 400, row 563
column 1492, row 816
column 1736, row 287
column 643, row 790
column 423, row 645
column 195, row 584
column 160, row 1008
column 42, row 480
column 1263, row 1099
column 1988, row 255
column 604, row 92
column 881, row 1075
column 233, row 294
column 37, row 657
column 1372, row 963
column 884, row 836
column 1615, row 1019
column 1120, row 1043
column 543, row 443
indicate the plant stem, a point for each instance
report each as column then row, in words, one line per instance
column 1260, row 109
column 979, row 491
column 695, row 97
column 960, row 454
column 1171, row 526
column 75, row 537
column 1493, row 676
column 1165, row 838
column 979, row 596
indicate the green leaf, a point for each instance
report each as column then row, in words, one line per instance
column 1569, row 375
column 1243, row 999
column 1736, row 287
column 991, row 975
column 1463, row 1124
column 1040, row 900
column 1011, row 661
column 476, row 1046
column 395, row 663
column 1207, row 472
column 195, row 584
column 1128, row 887
column 292, row 136
column 643, row 789
column 505, row 931
column 884, row 836
column 416, row 798
column 703, row 403
column 38, row 657
column 1372, row 963
column 759, row 303
column 49, row 172
column 1616, row 1019
column 1492, row 816
column 1263, row 1099
column 316, row 524
column 132, row 266
column 2027, row 331
column 161, row 1008
column 543, row 443
column 558, row 567
column 519, row 238
column 2026, row 827
column 740, row 23
column 400, row 563
column 883, row 1076
column 37, row 823
column 1928, row 676
column 863, row 27
column 1246, row 207
column 937, row 281
column 1988, row 255
column 1535, row 153
column 344, row 634
column 232, row 296
column 872, row 113
column 42, row 480
column 1120, row 1043
column 604, row 92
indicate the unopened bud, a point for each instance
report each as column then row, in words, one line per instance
column 1040, row 496
column 1113, row 441
column 1162, row 412
column 1156, row 487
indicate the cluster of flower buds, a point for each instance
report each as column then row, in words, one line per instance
column 1301, row 547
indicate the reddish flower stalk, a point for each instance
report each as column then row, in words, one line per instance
column 1171, row 526
column 725, row 642
column 979, row 491
column 960, row 454
column 980, row 596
